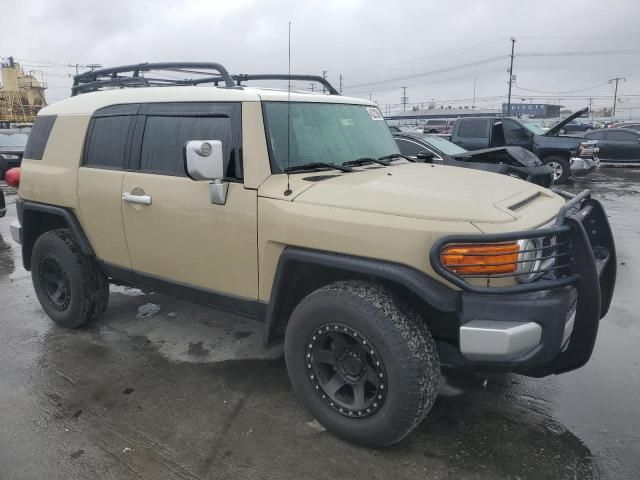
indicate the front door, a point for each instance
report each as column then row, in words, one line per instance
column 173, row 231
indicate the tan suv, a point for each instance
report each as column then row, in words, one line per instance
column 297, row 209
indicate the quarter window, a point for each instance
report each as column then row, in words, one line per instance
column 39, row 137
column 107, row 144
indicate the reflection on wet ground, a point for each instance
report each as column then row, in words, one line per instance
column 161, row 388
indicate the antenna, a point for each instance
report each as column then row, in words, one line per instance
column 287, row 192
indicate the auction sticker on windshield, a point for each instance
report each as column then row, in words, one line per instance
column 374, row 113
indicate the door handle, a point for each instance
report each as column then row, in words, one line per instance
column 139, row 199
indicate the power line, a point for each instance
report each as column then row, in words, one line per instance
column 568, row 91
column 581, row 53
column 432, row 72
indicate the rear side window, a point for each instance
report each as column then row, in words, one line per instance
column 39, row 137
column 165, row 136
column 472, row 128
column 107, row 143
column 618, row 136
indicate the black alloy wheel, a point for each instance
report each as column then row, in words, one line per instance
column 346, row 371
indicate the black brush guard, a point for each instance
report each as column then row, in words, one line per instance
column 585, row 260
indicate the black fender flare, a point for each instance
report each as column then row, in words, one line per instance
column 30, row 231
column 435, row 294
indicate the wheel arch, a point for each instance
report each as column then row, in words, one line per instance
column 38, row 218
column 302, row 271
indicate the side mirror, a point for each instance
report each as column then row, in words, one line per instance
column 204, row 160
column 425, row 155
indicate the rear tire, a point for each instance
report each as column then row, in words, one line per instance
column 561, row 168
column 71, row 288
column 354, row 336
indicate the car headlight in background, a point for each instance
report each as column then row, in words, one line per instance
column 8, row 156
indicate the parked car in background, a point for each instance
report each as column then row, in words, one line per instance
column 12, row 144
column 513, row 161
column 617, row 144
column 439, row 125
column 3, row 205
column 575, row 126
column 568, row 155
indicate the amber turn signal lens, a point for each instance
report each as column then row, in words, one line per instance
column 480, row 259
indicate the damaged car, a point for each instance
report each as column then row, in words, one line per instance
column 514, row 161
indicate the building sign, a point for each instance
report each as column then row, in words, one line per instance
column 525, row 108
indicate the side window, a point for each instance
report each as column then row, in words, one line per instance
column 621, row 136
column 596, row 136
column 107, row 143
column 513, row 132
column 409, row 148
column 473, row 128
column 39, row 137
column 164, row 138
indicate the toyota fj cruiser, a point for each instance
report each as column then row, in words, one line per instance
column 297, row 209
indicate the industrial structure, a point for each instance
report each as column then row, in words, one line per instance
column 21, row 95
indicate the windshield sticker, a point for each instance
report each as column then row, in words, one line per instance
column 347, row 122
column 374, row 113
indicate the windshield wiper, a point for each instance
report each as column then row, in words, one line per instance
column 391, row 157
column 365, row 161
column 316, row 166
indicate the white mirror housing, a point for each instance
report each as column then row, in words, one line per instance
column 204, row 159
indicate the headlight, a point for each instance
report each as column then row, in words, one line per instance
column 7, row 156
column 480, row 259
column 529, row 259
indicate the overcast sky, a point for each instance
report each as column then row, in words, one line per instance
column 435, row 49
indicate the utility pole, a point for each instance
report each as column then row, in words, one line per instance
column 324, row 75
column 513, row 46
column 404, row 99
column 370, row 99
column 313, row 86
column 473, row 105
column 340, row 90
column 590, row 109
column 615, row 95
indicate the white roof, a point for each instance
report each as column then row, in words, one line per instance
column 87, row 103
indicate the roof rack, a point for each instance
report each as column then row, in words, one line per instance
column 129, row 76
column 276, row 76
column 96, row 79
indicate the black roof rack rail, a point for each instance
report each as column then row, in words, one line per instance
column 245, row 77
column 96, row 79
column 129, row 76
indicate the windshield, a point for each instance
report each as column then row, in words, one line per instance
column 13, row 140
column 445, row 146
column 325, row 132
column 533, row 127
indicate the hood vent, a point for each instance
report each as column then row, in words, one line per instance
column 319, row 178
column 522, row 203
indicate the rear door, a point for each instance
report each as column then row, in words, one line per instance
column 100, row 179
column 179, row 236
column 472, row 133
column 623, row 145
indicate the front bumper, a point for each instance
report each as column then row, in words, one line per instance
column 16, row 232
column 549, row 325
column 583, row 165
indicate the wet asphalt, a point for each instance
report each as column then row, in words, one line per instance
column 161, row 388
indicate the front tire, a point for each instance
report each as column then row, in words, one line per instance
column 561, row 168
column 363, row 363
column 72, row 290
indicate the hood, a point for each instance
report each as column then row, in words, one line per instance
column 516, row 156
column 556, row 128
column 426, row 191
